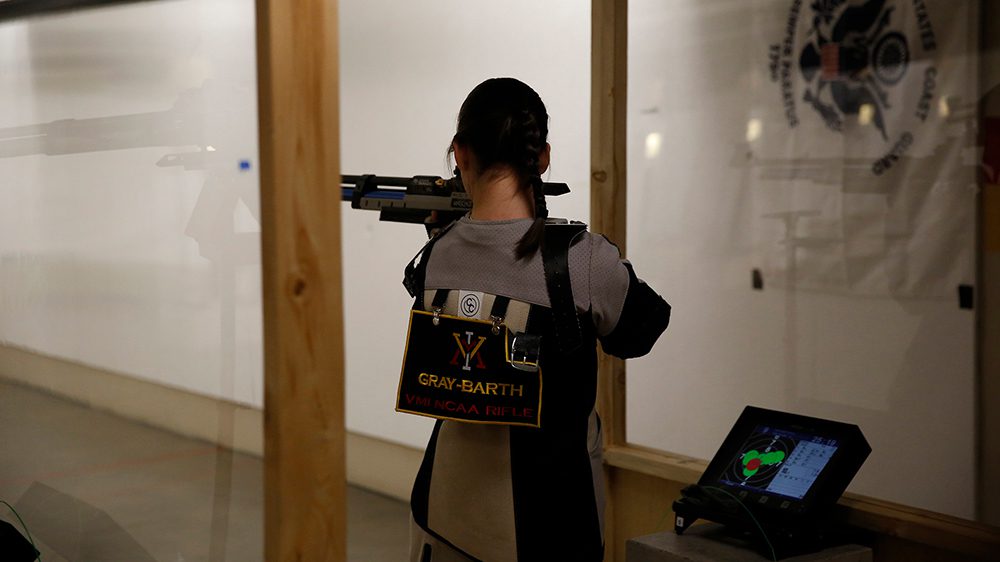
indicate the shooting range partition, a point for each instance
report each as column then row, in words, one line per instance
column 305, row 487
column 130, row 279
column 644, row 479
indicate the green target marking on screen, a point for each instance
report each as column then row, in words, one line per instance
column 752, row 461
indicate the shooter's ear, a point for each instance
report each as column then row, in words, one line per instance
column 461, row 156
column 543, row 159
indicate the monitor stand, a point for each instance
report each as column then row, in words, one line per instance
column 787, row 537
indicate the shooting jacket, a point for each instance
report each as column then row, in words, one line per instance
column 503, row 493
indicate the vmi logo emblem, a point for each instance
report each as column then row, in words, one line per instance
column 457, row 369
column 469, row 350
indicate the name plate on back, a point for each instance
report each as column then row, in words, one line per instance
column 458, row 369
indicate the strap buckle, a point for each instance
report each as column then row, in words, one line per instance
column 524, row 352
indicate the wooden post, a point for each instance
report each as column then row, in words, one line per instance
column 608, row 66
column 609, row 34
column 304, row 474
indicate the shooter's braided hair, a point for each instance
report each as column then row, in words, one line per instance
column 504, row 123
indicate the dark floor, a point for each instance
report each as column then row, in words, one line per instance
column 92, row 486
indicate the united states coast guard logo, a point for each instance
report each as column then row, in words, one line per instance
column 857, row 61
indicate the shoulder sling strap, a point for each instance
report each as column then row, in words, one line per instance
column 555, row 260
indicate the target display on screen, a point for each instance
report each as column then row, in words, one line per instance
column 777, row 461
column 786, row 469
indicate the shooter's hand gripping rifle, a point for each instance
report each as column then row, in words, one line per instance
column 412, row 200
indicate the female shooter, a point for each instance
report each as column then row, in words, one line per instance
column 508, row 491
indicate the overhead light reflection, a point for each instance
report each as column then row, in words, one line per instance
column 865, row 113
column 944, row 109
column 653, row 143
column 754, row 129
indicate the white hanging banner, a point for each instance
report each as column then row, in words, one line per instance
column 863, row 160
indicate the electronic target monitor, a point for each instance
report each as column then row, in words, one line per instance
column 779, row 462
column 784, row 471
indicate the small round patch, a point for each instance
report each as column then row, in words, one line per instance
column 470, row 306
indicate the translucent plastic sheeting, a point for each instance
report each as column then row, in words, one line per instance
column 802, row 189
column 129, row 231
column 129, row 249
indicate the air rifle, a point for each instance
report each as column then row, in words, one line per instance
column 412, row 200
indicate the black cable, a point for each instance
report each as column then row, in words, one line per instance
column 25, row 527
column 774, row 556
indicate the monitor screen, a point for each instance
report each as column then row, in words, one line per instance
column 783, row 465
column 773, row 460
column 778, row 473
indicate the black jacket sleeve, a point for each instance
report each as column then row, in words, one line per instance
column 644, row 317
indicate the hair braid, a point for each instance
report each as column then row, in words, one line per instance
column 533, row 146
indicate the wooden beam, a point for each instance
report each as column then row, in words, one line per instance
column 651, row 462
column 649, row 507
column 304, row 467
column 608, row 65
column 960, row 537
column 609, row 30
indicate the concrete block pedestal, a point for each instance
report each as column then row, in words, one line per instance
column 709, row 543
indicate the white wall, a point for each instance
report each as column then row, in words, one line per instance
column 405, row 69
column 109, row 256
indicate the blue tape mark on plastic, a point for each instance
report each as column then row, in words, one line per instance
column 347, row 192
column 244, row 165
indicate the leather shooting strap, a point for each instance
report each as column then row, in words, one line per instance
column 440, row 297
column 555, row 260
column 499, row 309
